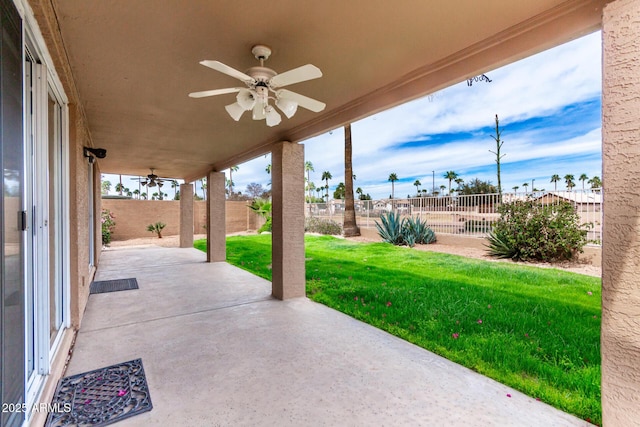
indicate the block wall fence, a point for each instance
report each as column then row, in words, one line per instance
column 132, row 217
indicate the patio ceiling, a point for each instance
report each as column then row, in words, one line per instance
column 134, row 62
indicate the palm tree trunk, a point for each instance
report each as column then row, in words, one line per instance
column 349, row 227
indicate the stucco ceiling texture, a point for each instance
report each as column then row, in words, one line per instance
column 135, row 61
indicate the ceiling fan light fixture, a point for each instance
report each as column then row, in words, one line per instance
column 260, row 83
column 235, row 110
column 273, row 118
column 258, row 112
column 287, row 106
column 246, row 99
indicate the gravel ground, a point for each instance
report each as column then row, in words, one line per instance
column 576, row 267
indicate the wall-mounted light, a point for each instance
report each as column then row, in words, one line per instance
column 89, row 152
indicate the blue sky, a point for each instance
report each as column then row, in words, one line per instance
column 549, row 110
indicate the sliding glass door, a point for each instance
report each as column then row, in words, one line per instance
column 12, row 224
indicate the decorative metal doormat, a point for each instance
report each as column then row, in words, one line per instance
column 101, row 397
column 103, row 286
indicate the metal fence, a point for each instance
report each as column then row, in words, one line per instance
column 471, row 215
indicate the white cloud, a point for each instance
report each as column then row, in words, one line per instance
column 534, row 87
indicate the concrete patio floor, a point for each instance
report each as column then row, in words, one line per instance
column 218, row 350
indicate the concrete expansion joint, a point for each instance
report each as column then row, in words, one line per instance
column 191, row 313
column 102, row 270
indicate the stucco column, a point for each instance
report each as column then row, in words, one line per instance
column 186, row 215
column 287, row 186
column 621, row 232
column 216, row 229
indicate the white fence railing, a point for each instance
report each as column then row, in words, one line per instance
column 471, row 215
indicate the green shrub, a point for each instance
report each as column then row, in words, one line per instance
column 263, row 208
column 156, row 228
column 266, row 227
column 322, row 226
column 404, row 231
column 528, row 230
column 108, row 225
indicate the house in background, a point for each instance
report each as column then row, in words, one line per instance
column 79, row 77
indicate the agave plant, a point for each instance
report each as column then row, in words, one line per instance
column 423, row 234
column 390, row 228
column 500, row 247
column 404, row 231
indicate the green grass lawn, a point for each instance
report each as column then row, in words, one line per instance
column 534, row 329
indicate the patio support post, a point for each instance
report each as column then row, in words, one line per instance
column 216, row 227
column 186, row 215
column 620, row 337
column 287, row 185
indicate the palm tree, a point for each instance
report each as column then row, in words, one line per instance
column 136, row 193
column 232, row 169
column 442, row 187
column 569, row 180
column 174, row 185
column 359, row 191
column 583, row 178
column 525, row 185
column 515, row 189
column 203, row 185
column 308, row 168
column 349, row 227
column 229, row 185
column 595, row 182
column 326, row 176
column 143, row 196
column 451, row 176
column 310, row 187
column 119, row 188
column 417, row 183
column 319, row 190
column 555, row 178
column 393, row 178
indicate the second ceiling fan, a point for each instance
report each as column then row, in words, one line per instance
column 263, row 84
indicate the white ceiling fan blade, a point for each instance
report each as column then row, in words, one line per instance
column 303, row 101
column 219, row 66
column 297, row 75
column 214, row 92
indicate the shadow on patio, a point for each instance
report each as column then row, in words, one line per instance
column 218, row 350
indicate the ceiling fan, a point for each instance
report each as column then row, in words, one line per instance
column 263, row 84
column 152, row 180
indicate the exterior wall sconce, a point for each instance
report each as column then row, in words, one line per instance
column 89, row 152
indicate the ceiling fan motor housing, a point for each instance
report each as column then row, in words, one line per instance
column 261, row 74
